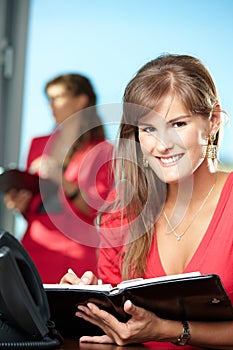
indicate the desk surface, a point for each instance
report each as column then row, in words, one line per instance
column 75, row 345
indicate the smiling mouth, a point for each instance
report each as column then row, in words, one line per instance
column 170, row 160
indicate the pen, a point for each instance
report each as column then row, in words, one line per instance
column 71, row 271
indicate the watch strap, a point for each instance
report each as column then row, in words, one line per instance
column 185, row 335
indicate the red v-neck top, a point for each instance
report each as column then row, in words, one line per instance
column 213, row 255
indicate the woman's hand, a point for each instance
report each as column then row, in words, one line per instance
column 18, row 200
column 47, row 168
column 142, row 326
column 87, row 278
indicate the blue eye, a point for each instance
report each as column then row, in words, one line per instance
column 149, row 129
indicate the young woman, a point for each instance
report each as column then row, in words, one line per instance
column 77, row 159
column 173, row 211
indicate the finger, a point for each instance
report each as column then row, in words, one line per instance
column 22, row 200
column 10, row 195
column 10, row 204
column 93, row 314
column 85, row 313
column 70, row 278
column 102, row 319
column 102, row 339
column 35, row 165
column 88, row 278
column 120, row 333
column 24, row 195
column 133, row 310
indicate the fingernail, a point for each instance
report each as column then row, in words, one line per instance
column 85, row 280
column 81, row 308
column 89, row 306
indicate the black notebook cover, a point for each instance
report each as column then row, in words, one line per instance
column 18, row 179
column 200, row 298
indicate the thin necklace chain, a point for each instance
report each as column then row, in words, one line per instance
column 179, row 236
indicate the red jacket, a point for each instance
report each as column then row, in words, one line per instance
column 59, row 236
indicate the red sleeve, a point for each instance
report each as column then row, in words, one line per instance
column 36, row 149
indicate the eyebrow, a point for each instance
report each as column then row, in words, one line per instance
column 186, row 116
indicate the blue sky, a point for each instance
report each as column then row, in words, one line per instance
column 109, row 40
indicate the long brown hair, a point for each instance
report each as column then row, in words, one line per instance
column 189, row 80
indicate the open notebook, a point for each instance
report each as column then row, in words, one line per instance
column 190, row 296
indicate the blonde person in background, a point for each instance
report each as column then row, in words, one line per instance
column 173, row 213
column 77, row 159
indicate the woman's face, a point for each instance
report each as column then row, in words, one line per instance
column 172, row 140
column 63, row 103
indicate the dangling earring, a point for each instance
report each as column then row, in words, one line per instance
column 204, row 148
column 145, row 162
column 211, row 148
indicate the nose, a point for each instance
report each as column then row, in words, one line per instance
column 51, row 102
column 164, row 141
column 52, row 107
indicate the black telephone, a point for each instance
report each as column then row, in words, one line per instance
column 24, row 310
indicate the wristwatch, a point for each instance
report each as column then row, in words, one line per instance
column 185, row 335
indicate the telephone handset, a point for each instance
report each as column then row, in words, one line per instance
column 24, row 310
